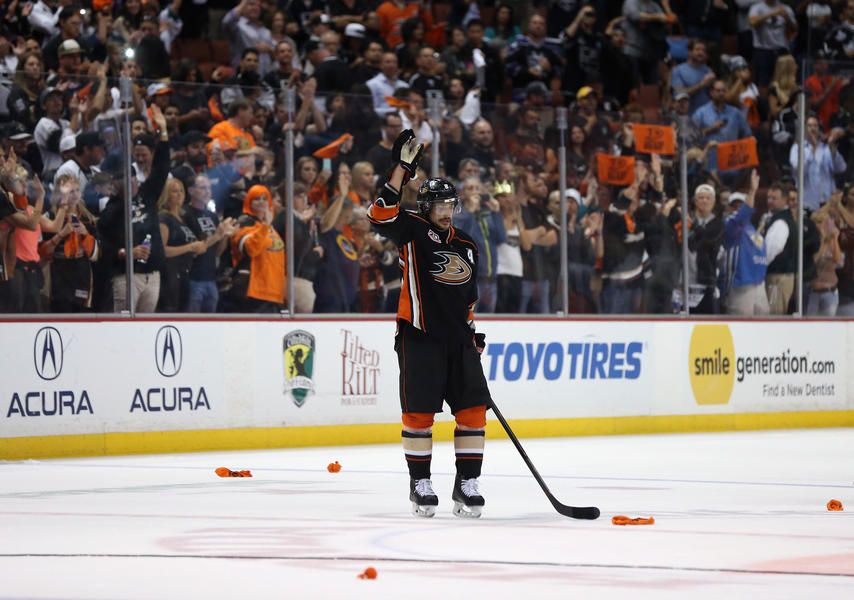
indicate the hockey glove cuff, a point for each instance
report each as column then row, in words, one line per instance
column 388, row 196
column 480, row 342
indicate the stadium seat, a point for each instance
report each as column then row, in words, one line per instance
column 194, row 49
column 729, row 44
column 649, row 98
column 207, row 68
column 220, row 52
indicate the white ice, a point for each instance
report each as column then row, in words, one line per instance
column 737, row 515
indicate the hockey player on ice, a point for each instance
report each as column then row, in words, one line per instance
column 437, row 348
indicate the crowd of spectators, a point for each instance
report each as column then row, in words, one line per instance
column 208, row 126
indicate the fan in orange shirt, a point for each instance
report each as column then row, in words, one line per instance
column 393, row 13
column 258, row 256
column 234, row 131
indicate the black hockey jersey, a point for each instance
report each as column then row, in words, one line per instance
column 439, row 288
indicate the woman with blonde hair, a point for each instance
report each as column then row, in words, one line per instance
column 72, row 250
column 782, row 112
column 25, row 285
column 180, row 246
column 784, row 85
column 363, row 182
column 823, row 298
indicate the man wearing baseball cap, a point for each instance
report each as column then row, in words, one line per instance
column 72, row 74
column 159, row 94
column 587, row 109
column 15, row 136
column 88, row 154
column 70, row 23
column 146, row 241
column 143, row 154
column 51, row 128
column 689, row 135
column 746, row 256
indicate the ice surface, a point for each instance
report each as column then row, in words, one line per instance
column 737, row 515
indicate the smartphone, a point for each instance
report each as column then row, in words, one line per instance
column 484, row 199
column 327, row 164
column 75, row 219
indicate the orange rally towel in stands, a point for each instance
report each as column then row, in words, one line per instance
column 623, row 520
column 331, row 150
column 615, row 170
column 654, row 139
column 834, row 505
column 396, row 102
column 739, row 154
column 226, row 472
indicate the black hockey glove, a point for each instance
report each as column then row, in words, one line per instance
column 406, row 152
column 403, row 137
column 410, row 155
column 480, row 342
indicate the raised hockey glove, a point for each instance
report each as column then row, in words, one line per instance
column 403, row 137
column 406, row 152
column 480, row 342
column 410, row 154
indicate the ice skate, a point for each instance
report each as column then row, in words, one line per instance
column 468, row 503
column 424, row 499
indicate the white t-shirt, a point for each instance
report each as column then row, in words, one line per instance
column 510, row 255
column 771, row 33
column 44, row 128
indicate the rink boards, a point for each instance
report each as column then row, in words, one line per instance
column 119, row 386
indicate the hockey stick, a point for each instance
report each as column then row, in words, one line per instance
column 575, row 512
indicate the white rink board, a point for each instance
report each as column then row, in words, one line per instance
column 65, row 378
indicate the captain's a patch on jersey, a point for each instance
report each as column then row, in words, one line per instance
column 433, row 236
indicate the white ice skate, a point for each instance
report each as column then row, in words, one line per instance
column 468, row 503
column 424, row 499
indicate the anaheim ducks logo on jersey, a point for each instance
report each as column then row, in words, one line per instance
column 346, row 246
column 277, row 244
column 451, row 269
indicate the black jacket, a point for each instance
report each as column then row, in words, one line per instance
column 144, row 221
column 706, row 240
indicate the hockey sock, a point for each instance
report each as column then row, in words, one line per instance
column 468, row 446
column 418, row 449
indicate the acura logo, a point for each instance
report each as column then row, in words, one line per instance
column 47, row 353
column 168, row 351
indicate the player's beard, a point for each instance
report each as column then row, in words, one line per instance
column 443, row 223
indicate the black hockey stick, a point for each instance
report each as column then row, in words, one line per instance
column 575, row 512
